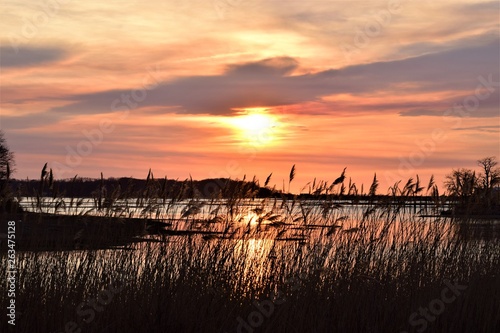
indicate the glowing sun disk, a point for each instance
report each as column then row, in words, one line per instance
column 256, row 128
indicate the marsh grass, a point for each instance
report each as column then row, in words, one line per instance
column 336, row 267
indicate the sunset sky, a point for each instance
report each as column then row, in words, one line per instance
column 227, row 88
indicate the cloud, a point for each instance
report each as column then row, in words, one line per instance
column 270, row 82
column 462, row 105
column 268, row 67
column 428, row 47
column 29, row 121
column 29, row 56
column 488, row 129
column 420, row 112
column 480, row 8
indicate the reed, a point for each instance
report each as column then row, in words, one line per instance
column 242, row 264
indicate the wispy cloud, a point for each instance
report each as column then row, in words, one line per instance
column 489, row 129
column 271, row 82
column 29, row 56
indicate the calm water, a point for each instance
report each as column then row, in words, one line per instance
column 305, row 213
column 258, row 234
column 281, row 220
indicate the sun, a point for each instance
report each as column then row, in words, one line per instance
column 255, row 126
